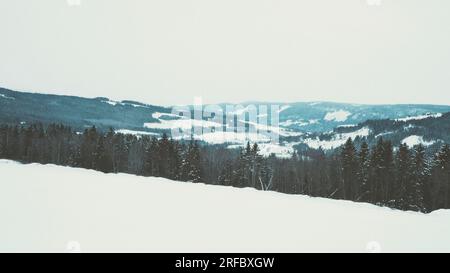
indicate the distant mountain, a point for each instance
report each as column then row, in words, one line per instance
column 19, row 107
column 325, row 116
column 303, row 125
column 427, row 130
column 431, row 130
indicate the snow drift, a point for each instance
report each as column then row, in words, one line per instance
column 50, row 208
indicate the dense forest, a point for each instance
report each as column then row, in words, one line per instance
column 401, row 178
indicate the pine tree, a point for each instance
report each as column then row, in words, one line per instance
column 402, row 185
column 261, row 173
column 174, row 158
column 349, row 170
column 27, row 142
column 151, row 158
column 120, row 151
column 12, row 139
column 265, row 177
column 306, row 185
column 191, row 170
column 419, row 180
column 388, row 173
column 441, row 175
column 226, row 175
column 102, row 160
column 242, row 173
column 88, row 147
column 255, row 164
column 376, row 172
column 163, row 156
column 363, row 173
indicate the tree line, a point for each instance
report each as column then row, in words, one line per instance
column 401, row 178
column 108, row 152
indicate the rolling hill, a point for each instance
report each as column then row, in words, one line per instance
column 302, row 125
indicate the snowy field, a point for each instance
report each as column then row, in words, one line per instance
column 59, row 209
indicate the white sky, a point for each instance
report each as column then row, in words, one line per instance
column 168, row 51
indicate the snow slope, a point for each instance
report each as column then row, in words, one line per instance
column 414, row 140
column 337, row 140
column 136, row 133
column 50, row 208
column 420, row 117
column 338, row 116
column 6, row 97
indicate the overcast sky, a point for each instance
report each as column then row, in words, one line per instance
column 169, row 51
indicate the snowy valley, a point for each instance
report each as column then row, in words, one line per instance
column 302, row 126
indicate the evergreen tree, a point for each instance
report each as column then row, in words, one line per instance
column 381, row 172
column 349, row 170
column 387, row 182
column 151, row 158
column 118, row 151
column 226, row 175
column 191, row 166
column 306, row 186
column 419, row 180
column 402, row 186
column 376, row 173
column 102, row 160
column 363, row 173
column 163, row 156
column 88, row 148
column 174, row 158
column 12, row 140
column 441, row 178
column 242, row 173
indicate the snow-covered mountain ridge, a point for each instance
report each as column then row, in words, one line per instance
column 303, row 125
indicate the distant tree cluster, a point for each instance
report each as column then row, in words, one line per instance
column 106, row 152
column 249, row 169
column 401, row 178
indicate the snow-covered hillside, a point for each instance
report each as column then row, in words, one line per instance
column 51, row 208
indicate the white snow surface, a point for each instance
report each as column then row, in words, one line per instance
column 114, row 103
column 280, row 151
column 419, row 117
column 231, row 137
column 260, row 127
column 338, row 116
column 300, row 122
column 6, row 97
column 337, row 140
column 384, row 134
column 47, row 208
column 414, row 140
column 137, row 133
column 347, row 126
column 284, row 107
column 259, row 132
column 111, row 102
column 182, row 123
column 285, row 150
column 158, row 115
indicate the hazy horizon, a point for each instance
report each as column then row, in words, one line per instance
column 224, row 102
column 168, row 52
